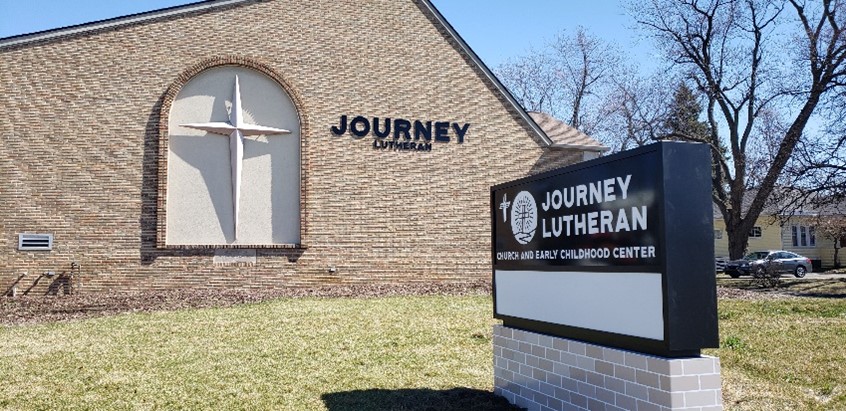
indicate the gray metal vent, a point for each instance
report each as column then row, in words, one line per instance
column 35, row 242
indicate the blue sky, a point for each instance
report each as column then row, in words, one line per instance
column 495, row 29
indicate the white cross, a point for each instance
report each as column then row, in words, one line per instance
column 236, row 129
column 504, row 207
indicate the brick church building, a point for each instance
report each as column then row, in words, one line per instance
column 257, row 144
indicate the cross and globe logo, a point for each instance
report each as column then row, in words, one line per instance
column 524, row 216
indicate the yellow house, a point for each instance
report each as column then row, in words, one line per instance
column 796, row 234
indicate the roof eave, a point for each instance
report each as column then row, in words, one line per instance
column 113, row 22
column 598, row 149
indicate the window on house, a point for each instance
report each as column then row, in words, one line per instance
column 803, row 236
column 755, row 232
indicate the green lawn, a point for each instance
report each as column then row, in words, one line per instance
column 784, row 354
column 294, row 354
column 397, row 353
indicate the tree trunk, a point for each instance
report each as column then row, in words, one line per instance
column 574, row 119
column 738, row 240
column 737, row 229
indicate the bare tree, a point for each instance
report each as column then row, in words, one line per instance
column 735, row 52
column 818, row 172
column 634, row 111
column 821, row 171
column 532, row 82
column 833, row 228
column 566, row 79
column 584, row 64
column 762, row 148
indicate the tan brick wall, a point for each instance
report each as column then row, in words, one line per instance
column 79, row 150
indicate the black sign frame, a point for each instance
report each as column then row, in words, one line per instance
column 681, row 218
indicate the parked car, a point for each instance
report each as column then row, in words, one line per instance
column 720, row 264
column 773, row 262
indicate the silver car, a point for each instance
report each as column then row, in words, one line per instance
column 772, row 263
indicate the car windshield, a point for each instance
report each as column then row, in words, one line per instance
column 760, row 255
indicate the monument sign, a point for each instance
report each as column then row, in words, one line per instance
column 616, row 251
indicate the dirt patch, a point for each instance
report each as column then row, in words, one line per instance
column 751, row 294
column 39, row 309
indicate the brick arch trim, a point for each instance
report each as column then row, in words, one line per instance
column 164, row 124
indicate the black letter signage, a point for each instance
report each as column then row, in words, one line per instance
column 417, row 135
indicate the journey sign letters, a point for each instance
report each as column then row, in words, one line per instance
column 400, row 134
column 616, row 251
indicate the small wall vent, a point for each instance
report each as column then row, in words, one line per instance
column 35, row 242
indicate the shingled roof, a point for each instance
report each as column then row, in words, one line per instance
column 565, row 136
column 779, row 204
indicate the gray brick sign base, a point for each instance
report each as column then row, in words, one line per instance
column 543, row 373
